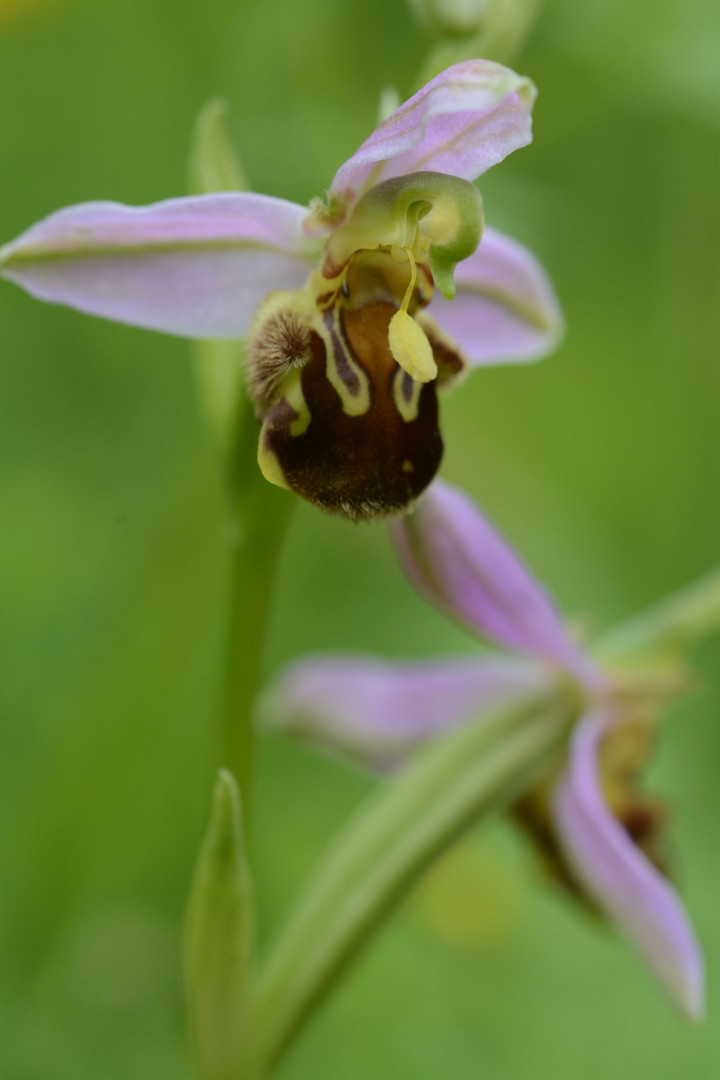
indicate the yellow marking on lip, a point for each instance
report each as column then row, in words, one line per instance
column 293, row 394
column 408, row 409
column 352, row 404
column 269, row 465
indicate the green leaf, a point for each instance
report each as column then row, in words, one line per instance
column 214, row 164
column 218, row 945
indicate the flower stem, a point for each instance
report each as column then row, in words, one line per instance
column 395, row 836
column 252, row 573
column 670, row 627
column 502, row 28
column 259, row 514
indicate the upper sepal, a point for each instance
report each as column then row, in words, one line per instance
column 462, row 122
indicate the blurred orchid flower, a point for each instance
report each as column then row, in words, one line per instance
column 346, row 305
column 598, row 827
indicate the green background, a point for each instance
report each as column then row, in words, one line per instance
column 602, row 463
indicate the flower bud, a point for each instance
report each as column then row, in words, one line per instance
column 451, row 17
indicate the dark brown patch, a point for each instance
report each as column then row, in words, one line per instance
column 452, row 364
column 360, row 466
column 406, row 386
column 644, row 819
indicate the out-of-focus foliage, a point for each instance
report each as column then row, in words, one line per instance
column 602, row 464
column 11, row 7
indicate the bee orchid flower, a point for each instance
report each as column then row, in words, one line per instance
column 600, row 831
column 356, row 310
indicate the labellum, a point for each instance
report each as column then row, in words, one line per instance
column 344, row 425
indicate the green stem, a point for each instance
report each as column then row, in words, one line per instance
column 395, row 836
column 252, row 574
column 259, row 514
column 501, row 36
column 670, row 627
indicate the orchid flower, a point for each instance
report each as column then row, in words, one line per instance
column 591, row 818
column 346, row 306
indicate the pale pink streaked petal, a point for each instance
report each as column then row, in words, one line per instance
column 466, row 119
column 377, row 712
column 620, row 879
column 196, row 266
column 458, row 561
column 505, row 309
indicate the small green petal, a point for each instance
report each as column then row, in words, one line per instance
column 439, row 218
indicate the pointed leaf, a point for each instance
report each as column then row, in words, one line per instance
column 214, row 165
column 218, row 946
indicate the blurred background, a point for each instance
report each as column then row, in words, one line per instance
column 602, row 464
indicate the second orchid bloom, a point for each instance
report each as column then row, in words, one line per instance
column 600, row 832
column 356, row 311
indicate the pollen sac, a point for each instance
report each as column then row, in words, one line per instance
column 343, row 425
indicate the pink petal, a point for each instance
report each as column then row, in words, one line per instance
column 464, row 120
column 619, row 877
column 459, row 562
column 505, row 309
column 197, row 266
column 378, row 712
